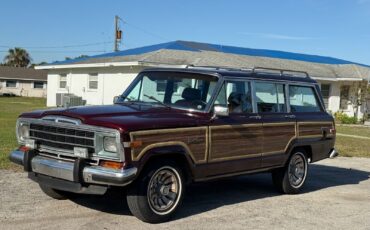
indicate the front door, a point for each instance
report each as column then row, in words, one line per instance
column 235, row 140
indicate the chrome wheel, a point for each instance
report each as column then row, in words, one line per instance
column 297, row 170
column 164, row 190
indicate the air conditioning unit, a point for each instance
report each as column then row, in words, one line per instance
column 60, row 99
column 72, row 100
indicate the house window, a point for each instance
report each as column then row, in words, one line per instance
column 11, row 84
column 93, row 81
column 38, row 85
column 63, row 81
column 344, row 96
column 325, row 92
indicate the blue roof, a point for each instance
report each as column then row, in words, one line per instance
column 198, row 47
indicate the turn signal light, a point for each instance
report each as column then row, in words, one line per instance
column 112, row 164
column 24, row 148
column 136, row 144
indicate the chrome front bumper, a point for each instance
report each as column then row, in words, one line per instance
column 70, row 171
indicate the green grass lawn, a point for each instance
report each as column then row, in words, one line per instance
column 353, row 147
column 10, row 108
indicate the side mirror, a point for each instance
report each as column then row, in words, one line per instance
column 220, row 111
column 115, row 99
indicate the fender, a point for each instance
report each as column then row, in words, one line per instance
column 170, row 149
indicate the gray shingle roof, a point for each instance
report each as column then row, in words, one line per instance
column 203, row 54
column 211, row 58
column 20, row 73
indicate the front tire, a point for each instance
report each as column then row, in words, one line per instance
column 157, row 193
column 291, row 178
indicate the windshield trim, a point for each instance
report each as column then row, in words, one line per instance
column 208, row 107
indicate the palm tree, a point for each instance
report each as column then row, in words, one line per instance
column 17, row 57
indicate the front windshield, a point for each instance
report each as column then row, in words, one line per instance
column 172, row 89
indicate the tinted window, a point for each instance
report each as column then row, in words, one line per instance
column 236, row 95
column 270, row 97
column 184, row 90
column 303, row 99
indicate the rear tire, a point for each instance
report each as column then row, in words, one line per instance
column 155, row 196
column 53, row 193
column 291, row 178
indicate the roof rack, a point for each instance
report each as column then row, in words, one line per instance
column 217, row 67
column 254, row 70
column 281, row 71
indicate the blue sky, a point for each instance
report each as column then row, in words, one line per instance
column 52, row 30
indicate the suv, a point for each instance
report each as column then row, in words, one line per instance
column 176, row 126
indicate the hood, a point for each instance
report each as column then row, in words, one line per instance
column 127, row 117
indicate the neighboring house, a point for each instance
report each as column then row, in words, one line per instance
column 24, row 82
column 97, row 79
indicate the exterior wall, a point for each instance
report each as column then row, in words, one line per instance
column 23, row 88
column 356, row 89
column 112, row 81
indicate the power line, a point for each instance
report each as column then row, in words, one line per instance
column 56, row 47
column 60, row 51
column 143, row 30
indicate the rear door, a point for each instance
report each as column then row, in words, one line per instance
column 279, row 126
column 314, row 124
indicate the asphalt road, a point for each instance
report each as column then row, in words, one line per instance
column 336, row 196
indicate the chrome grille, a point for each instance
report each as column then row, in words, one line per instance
column 62, row 138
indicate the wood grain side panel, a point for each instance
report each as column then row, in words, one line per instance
column 232, row 142
column 312, row 129
column 277, row 137
column 194, row 140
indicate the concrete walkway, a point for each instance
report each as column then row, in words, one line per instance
column 354, row 136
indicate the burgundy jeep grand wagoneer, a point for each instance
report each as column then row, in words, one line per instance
column 176, row 126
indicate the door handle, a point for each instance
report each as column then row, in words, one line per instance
column 289, row 116
column 255, row 117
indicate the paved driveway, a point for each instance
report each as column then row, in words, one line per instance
column 336, row 196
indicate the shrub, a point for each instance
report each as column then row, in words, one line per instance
column 344, row 118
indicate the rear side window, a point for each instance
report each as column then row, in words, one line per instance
column 303, row 99
column 270, row 97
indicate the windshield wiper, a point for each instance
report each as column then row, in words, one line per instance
column 155, row 99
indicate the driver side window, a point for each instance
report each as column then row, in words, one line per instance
column 236, row 95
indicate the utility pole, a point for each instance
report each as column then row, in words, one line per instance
column 117, row 34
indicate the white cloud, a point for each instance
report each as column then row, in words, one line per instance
column 279, row 36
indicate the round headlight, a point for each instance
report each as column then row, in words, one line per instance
column 23, row 131
column 110, row 144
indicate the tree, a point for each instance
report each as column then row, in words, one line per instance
column 81, row 56
column 32, row 66
column 17, row 57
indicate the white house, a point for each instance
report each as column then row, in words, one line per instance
column 97, row 79
column 25, row 82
